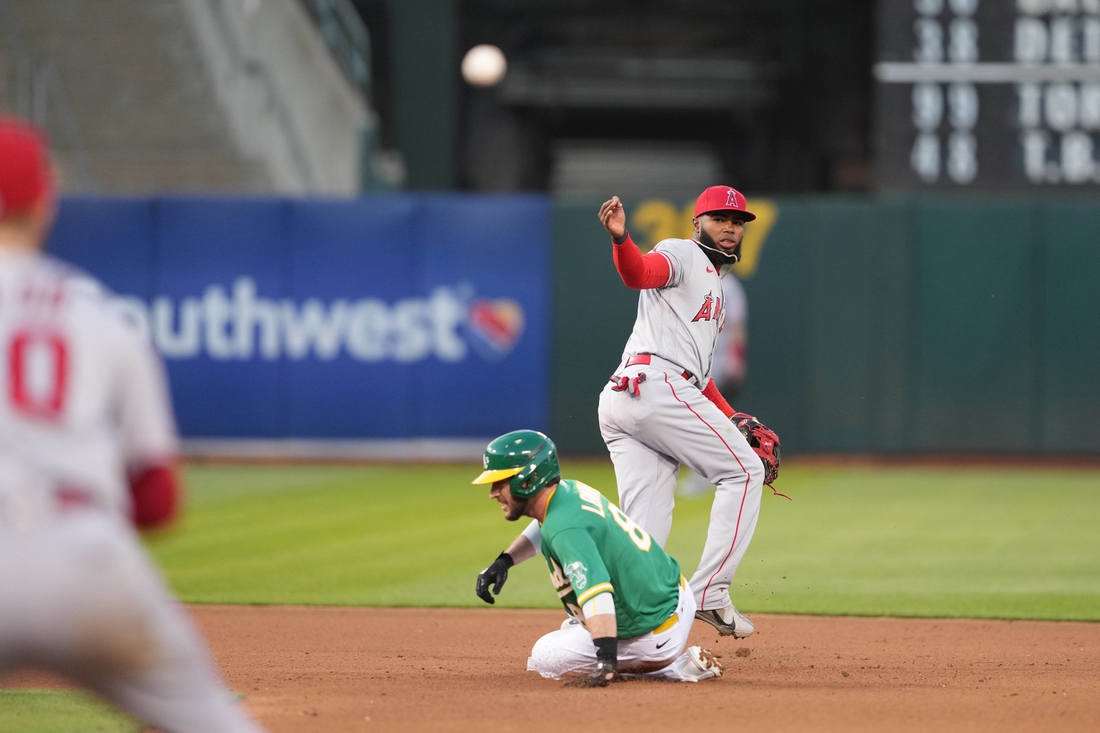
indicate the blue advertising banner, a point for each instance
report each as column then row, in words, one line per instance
column 400, row 316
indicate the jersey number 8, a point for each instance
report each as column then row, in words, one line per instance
column 638, row 535
column 592, row 501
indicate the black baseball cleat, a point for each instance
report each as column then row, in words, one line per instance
column 728, row 621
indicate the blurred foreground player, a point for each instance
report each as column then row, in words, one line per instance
column 630, row 610
column 87, row 446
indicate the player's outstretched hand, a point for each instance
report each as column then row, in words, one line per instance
column 494, row 575
column 613, row 217
column 605, row 674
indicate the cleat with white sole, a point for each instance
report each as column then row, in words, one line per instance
column 729, row 621
column 697, row 664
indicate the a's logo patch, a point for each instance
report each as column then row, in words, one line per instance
column 731, row 198
column 495, row 325
column 575, row 571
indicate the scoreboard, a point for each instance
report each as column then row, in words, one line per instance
column 988, row 95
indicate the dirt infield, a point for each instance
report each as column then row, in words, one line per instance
column 362, row 669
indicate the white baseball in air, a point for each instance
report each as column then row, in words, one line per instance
column 484, row 65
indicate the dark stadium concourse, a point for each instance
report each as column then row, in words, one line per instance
column 654, row 95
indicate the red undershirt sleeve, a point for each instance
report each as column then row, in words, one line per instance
column 640, row 271
column 155, row 493
column 711, row 393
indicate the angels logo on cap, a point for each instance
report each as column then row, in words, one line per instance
column 722, row 198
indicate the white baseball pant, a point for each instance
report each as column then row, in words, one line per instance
column 79, row 596
column 650, row 434
column 570, row 648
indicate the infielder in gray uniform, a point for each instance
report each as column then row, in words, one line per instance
column 87, row 451
column 661, row 409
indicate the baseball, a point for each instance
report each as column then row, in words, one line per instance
column 484, row 65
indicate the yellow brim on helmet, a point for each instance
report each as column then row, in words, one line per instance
column 527, row 459
column 491, row 477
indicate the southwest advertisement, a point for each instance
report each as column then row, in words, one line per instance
column 386, row 317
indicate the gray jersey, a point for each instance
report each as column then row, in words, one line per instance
column 680, row 321
column 85, row 398
column 661, row 422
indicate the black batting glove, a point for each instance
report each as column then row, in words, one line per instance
column 605, row 674
column 607, row 665
column 494, row 575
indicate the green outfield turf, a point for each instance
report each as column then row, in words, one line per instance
column 961, row 542
column 60, row 711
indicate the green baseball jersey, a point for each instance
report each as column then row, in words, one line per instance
column 591, row 547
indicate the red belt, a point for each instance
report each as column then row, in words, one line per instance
column 68, row 499
column 645, row 359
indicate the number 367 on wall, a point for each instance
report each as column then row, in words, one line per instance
column 657, row 219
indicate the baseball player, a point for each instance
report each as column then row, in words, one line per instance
column 87, row 449
column 629, row 607
column 728, row 367
column 661, row 409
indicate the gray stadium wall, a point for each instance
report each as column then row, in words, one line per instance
column 876, row 325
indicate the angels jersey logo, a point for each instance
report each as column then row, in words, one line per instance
column 731, row 198
column 710, row 310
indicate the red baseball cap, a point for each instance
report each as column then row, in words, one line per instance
column 722, row 198
column 24, row 168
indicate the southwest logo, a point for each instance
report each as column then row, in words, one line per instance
column 495, row 326
column 239, row 324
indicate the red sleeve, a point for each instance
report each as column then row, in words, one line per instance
column 155, row 492
column 640, row 271
column 711, row 393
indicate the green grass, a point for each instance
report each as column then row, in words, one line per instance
column 954, row 542
column 60, row 711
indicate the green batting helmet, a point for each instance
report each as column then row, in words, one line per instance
column 521, row 455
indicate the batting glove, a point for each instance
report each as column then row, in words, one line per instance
column 607, row 665
column 494, row 575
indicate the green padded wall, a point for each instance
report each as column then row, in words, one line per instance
column 841, row 301
column 593, row 313
column 1070, row 349
column 975, row 368
column 778, row 354
column 878, row 325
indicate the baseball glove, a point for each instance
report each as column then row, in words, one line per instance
column 764, row 442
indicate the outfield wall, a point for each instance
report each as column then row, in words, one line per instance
column 875, row 325
column 391, row 317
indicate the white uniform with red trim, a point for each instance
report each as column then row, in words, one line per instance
column 83, row 401
column 85, row 395
column 654, row 417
